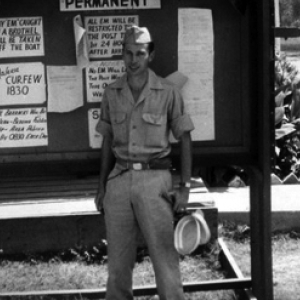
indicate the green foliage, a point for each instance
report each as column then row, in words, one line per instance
column 285, row 71
column 296, row 10
column 289, row 13
column 285, row 7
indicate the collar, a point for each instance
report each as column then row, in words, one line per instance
column 154, row 82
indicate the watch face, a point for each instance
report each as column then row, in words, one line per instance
column 186, row 184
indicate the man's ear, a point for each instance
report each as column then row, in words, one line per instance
column 151, row 56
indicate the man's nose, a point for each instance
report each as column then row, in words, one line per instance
column 134, row 58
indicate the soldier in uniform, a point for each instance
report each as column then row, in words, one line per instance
column 138, row 113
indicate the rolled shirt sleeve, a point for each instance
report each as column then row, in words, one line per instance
column 181, row 125
column 104, row 125
column 180, row 121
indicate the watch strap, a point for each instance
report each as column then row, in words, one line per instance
column 185, row 184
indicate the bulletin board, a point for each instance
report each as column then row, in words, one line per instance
column 65, row 134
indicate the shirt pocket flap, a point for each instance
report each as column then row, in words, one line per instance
column 118, row 117
column 155, row 119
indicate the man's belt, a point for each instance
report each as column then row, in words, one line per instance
column 155, row 164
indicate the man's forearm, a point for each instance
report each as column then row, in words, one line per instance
column 186, row 157
column 107, row 160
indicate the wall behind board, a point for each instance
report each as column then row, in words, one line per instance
column 233, row 93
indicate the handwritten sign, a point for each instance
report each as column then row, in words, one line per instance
column 23, row 127
column 95, row 138
column 21, row 37
column 100, row 75
column 196, row 61
column 105, row 34
column 22, row 84
column 65, row 91
column 71, row 5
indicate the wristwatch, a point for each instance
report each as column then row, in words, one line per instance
column 185, row 184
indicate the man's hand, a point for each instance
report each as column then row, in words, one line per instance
column 181, row 199
column 99, row 199
column 178, row 199
column 107, row 164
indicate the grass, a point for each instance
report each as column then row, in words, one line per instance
column 290, row 44
column 37, row 273
column 286, row 263
column 81, row 269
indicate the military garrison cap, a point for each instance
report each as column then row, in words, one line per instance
column 137, row 35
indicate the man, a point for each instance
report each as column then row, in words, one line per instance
column 137, row 113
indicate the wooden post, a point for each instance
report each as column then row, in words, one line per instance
column 261, row 252
column 277, row 24
column 260, row 191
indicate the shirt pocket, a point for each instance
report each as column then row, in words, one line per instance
column 119, row 126
column 156, row 130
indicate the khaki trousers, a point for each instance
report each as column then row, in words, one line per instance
column 133, row 202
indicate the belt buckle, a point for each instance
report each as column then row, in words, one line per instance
column 137, row 166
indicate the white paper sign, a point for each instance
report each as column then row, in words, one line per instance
column 105, row 34
column 65, row 91
column 95, row 138
column 21, row 37
column 23, row 127
column 196, row 61
column 100, row 75
column 22, row 83
column 71, row 5
column 82, row 55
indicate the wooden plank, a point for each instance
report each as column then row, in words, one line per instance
column 47, row 195
column 32, row 224
column 52, row 233
column 46, row 182
column 41, row 177
column 260, row 180
column 197, row 183
column 228, row 263
column 42, row 188
column 222, row 284
column 57, row 187
column 287, row 32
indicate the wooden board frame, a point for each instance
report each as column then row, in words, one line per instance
column 236, row 92
column 236, row 281
column 253, row 145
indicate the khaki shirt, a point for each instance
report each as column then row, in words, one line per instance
column 141, row 130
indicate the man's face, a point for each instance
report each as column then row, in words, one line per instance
column 137, row 58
